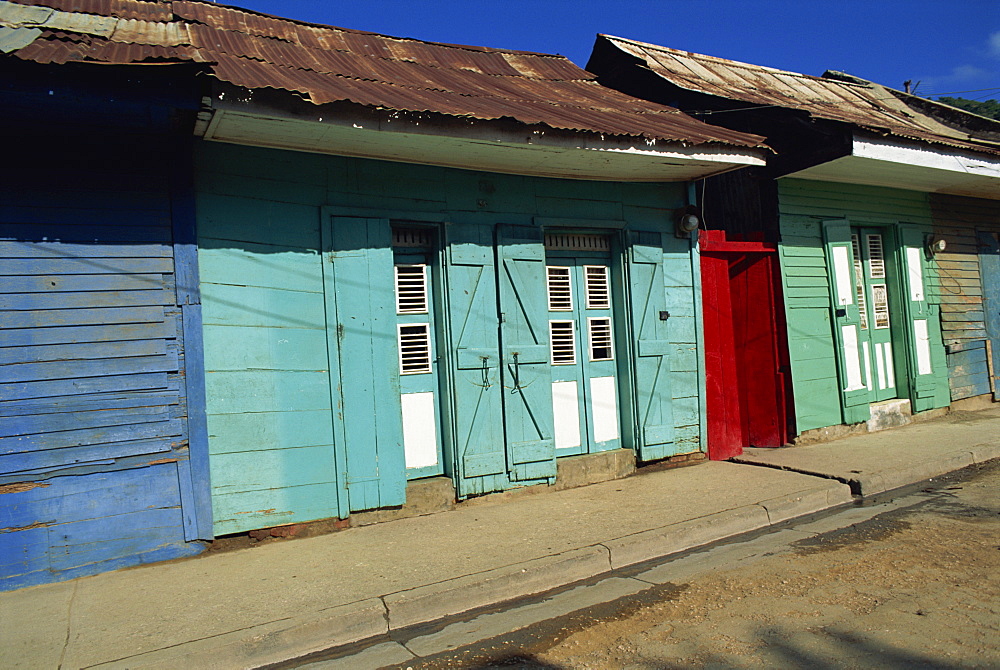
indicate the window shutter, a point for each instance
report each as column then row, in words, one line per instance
column 928, row 376
column 560, row 289
column 842, row 268
column 562, row 340
column 598, row 292
column 599, row 331
column 414, row 348
column 411, row 289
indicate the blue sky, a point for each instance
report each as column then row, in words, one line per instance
column 949, row 46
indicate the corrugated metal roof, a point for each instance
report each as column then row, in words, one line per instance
column 327, row 64
column 863, row 104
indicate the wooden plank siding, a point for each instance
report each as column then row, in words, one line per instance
column 958, row 221
column 803, row 206
column 271, row 412
column 94, row 439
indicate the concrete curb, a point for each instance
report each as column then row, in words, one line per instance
column 868, row 484
column 832, row 494
column 454, row 596
column 985, row 452
column 661, row 542
column 268, row 643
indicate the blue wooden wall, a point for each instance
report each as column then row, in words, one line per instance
column 96, row 465
column 273, row 402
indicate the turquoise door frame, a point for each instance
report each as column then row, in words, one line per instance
column 489, row 350
column 583, row 350
column 419, row 360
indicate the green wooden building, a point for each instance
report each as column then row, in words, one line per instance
column 882, row 211
column 431, row 265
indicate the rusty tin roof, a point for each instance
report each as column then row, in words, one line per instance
column 326, row 64
column 863, row 104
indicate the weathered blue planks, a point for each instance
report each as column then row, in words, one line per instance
column 94, row 439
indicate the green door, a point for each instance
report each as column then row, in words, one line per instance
column 582, row 350
column 413, row 257
column 876, row 312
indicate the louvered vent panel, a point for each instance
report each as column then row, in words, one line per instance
column 414, row 349
column 577, row 242
column 598, row 293
column 411, row 289
column 562, row 340
column 600, row 339
column 880, row 305
column 419, row 238
column 560, row 289
column 859, row 282
column 876, row 257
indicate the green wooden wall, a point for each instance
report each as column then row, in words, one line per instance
column 803, row 206
column 268, row 380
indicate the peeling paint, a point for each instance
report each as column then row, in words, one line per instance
column 21, row 487
column 37, row 524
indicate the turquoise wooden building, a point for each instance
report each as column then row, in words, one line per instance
column 883, row 212
column 461, row 270
column 318, row 267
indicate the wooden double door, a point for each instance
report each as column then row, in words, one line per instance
column 582, row 344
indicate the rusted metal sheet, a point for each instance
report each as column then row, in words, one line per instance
column 863, row 104
column 125, row 9
column 326, row 64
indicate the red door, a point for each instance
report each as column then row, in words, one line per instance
column 746, row 350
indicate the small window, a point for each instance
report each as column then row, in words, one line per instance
column 600, row 339
column 859, row 282
column 876, row 257
column 414, row 349
column 576, row 242
column 562, row 340
column 411, row 289
column 880, row 305
column 598, row 293
column 413, row 238
column 560, row 289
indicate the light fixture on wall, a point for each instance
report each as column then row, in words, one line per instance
column 935, row 245
column 686, row 221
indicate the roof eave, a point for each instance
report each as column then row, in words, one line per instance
column 912, row 166
column 496, row 145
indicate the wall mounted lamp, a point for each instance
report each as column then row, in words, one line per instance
column 686, row 221
column 935, row 246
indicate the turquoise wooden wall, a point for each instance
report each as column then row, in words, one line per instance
column 803, row 206
column 268, row 377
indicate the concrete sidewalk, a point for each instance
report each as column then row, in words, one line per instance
column 282, row 600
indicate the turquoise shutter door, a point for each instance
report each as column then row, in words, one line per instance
column 476, row 426
column 526, row 375
column 651, row 346
column 364, row 365
column 846, row 320
column 928, row 370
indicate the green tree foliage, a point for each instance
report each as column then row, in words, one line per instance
column 987, row 108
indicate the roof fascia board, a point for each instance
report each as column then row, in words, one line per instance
column 230, row 104
column 926, row 156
